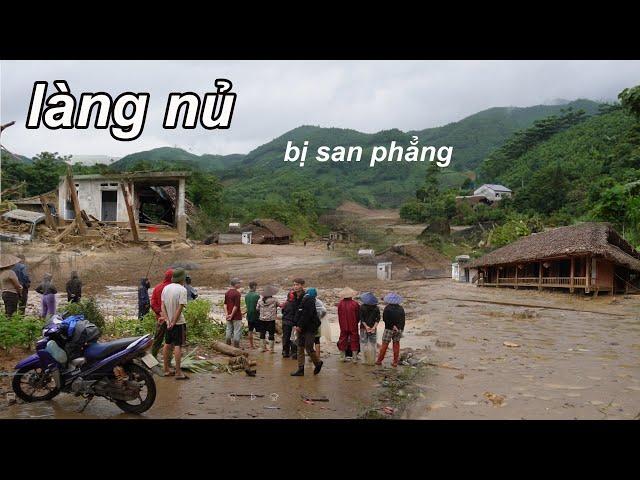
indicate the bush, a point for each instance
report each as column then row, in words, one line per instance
column 200, row 328
column 19, row 331
column 90, row 310
column 122, row 327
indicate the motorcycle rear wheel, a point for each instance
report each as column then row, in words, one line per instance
column 23, row 379
column 139, row 374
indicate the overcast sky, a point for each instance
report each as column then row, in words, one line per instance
column 277, row 96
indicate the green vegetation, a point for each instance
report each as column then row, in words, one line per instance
column 19, row 331
column 89, row 308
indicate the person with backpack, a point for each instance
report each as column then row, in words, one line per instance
column 307, row 323
column 267, row 307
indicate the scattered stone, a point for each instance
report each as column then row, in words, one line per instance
column 510, row 344
column 444, row 344
column 497, row 400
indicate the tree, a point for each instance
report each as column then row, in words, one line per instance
column 630, row 100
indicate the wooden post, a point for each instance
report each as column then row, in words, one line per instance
column 48, row 218
column 516, row 287
column 82, row 228
column 539, row 275
column 587, row 280
column 572, row 273
column 497, row 276
column 132, row 219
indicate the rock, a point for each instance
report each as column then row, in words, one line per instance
column 444, row 343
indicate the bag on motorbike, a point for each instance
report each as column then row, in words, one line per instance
column 56, row 352
column 83, row 332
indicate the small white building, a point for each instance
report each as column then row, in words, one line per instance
column 460, row 271
column 493, row 192
column 383, row 271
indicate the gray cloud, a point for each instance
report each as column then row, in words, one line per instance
column 276, row 96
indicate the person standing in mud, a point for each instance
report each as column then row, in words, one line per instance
column 369, row 319
column 288, row 307
column 307, row 323
column 74, row 288
column 348, row 318
column 268, row 308
column 322, row 312
column 393, row 317
column 25, row 281
column 11, row 288
column 250, row 301
column 174, row 299
column 48, row 292
column 234, row 313
column 156, row 306
column 192, row 293
column 144, row 304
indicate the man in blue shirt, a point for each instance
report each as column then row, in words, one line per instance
column 23, row 277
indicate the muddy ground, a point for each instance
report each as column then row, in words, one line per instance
column 561, row 357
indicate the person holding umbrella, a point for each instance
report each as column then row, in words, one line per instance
column 11, row 288
column 393, row 317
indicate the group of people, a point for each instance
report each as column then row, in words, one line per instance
column 16, row 282
column 302, row 314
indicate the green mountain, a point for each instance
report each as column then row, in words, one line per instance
column 387, row 184
column 178, row 158
column 568, row 174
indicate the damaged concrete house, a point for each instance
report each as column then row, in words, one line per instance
column 588, row 257
column 148, row 206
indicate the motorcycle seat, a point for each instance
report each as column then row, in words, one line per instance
column 98, row 351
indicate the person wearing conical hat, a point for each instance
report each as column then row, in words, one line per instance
column 348, row 318
column 11, row 288
column 393, row 317
column 267, row 307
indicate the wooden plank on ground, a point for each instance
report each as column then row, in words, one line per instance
column 528, row 305
column 70, row 228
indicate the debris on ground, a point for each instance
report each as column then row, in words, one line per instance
column 389, row 410
column 494, row 398
column 222, row 347
column 444, row 343
column 312, row 399
column 525, row 314
column 510, row 344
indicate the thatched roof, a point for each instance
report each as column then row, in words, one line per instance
column 277, row 229
column 597, row 239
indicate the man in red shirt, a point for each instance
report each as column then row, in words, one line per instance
column 348, row 318
column 156, row 306
column 234, row 314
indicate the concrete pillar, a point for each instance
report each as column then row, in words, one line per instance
column 181, row 216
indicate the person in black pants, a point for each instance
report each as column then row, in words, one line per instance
column 307, row 323
column 289, row 310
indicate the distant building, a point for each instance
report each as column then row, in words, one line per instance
column 493, row 192
column 588, row 256
column 267, row 230
column 460, row 268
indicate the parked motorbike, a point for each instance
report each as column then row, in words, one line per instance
column 118, row 371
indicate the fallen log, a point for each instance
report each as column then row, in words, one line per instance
column 228, row 349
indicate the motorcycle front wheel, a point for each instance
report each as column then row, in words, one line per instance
column 34, row 385
column 147, row 394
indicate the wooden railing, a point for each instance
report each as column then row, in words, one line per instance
column 563, row 282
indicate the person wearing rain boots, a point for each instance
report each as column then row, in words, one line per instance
column 369, row 319
column 348, row 318
column 393, row 317
column 267, row 307
column 307, row 323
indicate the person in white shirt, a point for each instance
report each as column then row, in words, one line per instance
column 174, row 299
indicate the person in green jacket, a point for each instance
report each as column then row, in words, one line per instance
column 251, row 300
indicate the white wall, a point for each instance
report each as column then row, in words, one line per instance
column 90, row 198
